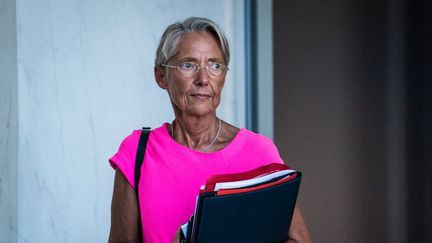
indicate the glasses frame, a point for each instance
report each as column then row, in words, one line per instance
column 198, row 68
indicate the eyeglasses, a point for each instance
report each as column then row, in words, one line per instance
column 190, row 69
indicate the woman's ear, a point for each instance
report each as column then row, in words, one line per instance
column 160, row 77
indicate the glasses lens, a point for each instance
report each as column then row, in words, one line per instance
column 215, row 69
column 189, row 69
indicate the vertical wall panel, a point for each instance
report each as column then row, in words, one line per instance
column 330, row 113
column 8, row 123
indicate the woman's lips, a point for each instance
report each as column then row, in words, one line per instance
column 201, row 96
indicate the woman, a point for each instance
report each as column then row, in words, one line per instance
column 191, row 64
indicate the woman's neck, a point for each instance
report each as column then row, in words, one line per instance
column 196, row 132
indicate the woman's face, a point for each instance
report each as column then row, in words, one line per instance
column 199, row 94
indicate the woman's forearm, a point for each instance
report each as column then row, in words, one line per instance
column 298, row 231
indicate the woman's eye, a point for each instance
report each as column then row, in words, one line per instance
column 187, row 65
column 215, row 66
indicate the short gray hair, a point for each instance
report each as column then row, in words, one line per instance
column 174, row 33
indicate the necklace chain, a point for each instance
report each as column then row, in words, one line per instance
column 213, row 140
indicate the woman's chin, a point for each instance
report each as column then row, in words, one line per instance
column 201, row 111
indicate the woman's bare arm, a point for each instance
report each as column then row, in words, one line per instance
column 124, row 212
column 298, row 231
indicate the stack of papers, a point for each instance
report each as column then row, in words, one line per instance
column 253, row 206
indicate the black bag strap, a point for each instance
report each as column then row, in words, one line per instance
column 142, row 144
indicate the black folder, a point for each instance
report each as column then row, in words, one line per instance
column 261, row 216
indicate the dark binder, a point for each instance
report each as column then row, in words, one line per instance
column 258, row 213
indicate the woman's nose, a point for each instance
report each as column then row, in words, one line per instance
column 202, row 76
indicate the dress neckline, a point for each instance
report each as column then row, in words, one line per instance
column 181, row 146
